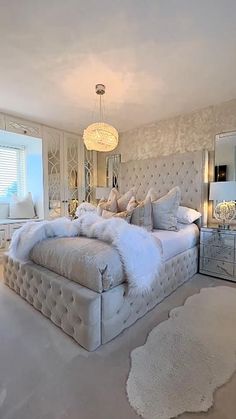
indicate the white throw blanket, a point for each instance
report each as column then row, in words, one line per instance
column 140, row 252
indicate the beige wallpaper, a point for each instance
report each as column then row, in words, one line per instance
column 188, row 132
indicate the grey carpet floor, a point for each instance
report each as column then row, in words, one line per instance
column 44, row 374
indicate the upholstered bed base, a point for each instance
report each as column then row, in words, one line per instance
column 93, row 318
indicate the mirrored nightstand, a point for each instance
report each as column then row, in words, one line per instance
column 217, row 253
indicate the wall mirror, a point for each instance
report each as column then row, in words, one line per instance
column 225, row 157
column 112, row 170
column 223, row 188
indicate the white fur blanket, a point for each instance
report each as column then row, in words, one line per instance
column 140, row 252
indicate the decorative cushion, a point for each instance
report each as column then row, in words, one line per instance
column 4, row 210
column 108, row 214
column 165, row 210
column 114, row 193
column 187, row 215
column 99, row 207
column 152, row 194
column 107, row 205
column 22, row 207
column 124, row 200
column 125, row 215
column 142, row 215
column 132, row 204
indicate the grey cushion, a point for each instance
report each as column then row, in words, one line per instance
column 142, row 215
column 165, row 210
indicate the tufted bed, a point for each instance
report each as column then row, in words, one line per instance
column 93, row 315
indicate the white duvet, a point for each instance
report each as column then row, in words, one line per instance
column 176, row 242
column 140, row 251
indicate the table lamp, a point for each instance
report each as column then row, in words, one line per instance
column 225, row 195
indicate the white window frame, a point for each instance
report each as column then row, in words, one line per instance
column 21, row 168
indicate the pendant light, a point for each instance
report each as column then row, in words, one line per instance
column 100, row 136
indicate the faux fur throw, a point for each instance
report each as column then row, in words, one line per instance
column 140, row 252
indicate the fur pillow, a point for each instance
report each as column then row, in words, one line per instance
column 142, row 215
column 165, row 210
column 124, row 200
column 85, row 207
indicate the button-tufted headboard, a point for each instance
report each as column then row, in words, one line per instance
column 189, row 171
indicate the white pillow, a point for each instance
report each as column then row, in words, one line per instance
column 4, row 210
column 22, row 207
column 165, row 210
column 187, row 215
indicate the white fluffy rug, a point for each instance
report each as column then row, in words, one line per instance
column 186, row 358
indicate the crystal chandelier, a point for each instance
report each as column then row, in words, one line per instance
column 100, row 136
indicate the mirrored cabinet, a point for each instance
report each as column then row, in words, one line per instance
column 69, row 171
column 64, row 155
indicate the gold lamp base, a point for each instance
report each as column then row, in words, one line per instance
column 224, row 213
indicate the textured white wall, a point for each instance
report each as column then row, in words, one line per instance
column 189, row 132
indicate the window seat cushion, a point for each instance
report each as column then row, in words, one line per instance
column 16, row 221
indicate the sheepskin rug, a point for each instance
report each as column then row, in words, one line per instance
column 186, row 358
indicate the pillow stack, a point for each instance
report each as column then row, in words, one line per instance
column 163, row 213
column 126, row 207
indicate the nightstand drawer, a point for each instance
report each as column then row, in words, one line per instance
column 217, row 238
column 218, row 253
column 217, row 267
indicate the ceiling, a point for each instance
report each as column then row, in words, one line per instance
column 157, row 58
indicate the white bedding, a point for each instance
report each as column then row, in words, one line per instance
column 175, row 242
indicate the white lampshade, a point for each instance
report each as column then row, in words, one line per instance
column 102, row 192
column 100, row 137
column 222, row 191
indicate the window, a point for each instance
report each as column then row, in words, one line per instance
column 12, row 171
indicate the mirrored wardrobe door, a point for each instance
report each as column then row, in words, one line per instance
column 53, row 145
column 72, row 167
